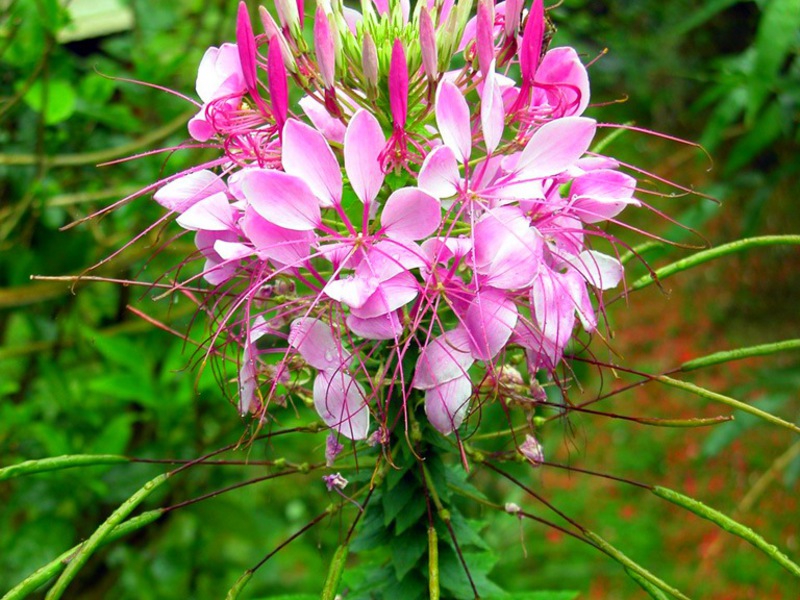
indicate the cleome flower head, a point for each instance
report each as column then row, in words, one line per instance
column 429, row 207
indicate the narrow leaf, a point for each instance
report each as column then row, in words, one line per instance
column 695, row 389
column 240, row 584
column 335, row 573
column 728, row 524
column 55, row 566
column 740, row 353
column 631, row 566
column 713, row 253
column 102, row 532
column 56, row 463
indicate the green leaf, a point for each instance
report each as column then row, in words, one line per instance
column 408, row 517
column 372, row 533
column 396, row 500
column 56, row 100
column 407, row 550
column 116, row 435
column 454, row 579
column 776, row 34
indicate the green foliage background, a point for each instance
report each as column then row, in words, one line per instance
column 81, row 373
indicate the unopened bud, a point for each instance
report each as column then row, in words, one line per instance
column 273, row 31
column 532, row 450
column 369, row 61
column 325, row 47
column 484, row 35
column 427, row 43
column 334, row 481
column 512, row 508
column 512, row 18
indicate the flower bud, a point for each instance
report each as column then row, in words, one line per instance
column 273, row 31
column 325, row 47
column 369, row 61
column 398, row 84
column 513, row 15
column 289, row 17
column 532, row 450
column 484, row 36
column 427, row 43
column 531, row 48
column 335, row 481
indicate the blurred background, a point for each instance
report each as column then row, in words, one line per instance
column 81, row 373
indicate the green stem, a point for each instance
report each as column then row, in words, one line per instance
column 100, row 534
column 56, row 463
column 695, row 389
column 728, row 524
column 54, row 567
column 740, row 353
column 711, row 254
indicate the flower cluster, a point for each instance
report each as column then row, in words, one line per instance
column 397, row 208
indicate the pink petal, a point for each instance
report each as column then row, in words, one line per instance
column 447, row 404
column 282, row 199
column 389, row 296
column 552, row 306
column 600, row 270
column 182, row 193
column 286, row 246
column 351, row 290
column 445, row 358
column 602, row 194
column 363, row 143
column 317, row 344
column 332, row 128
column 492, row 112
column 490, row 320
column 340, row 401
column 220, row 73
column 410, row 213
column 452, row 118
column 441, row 250
column 541, row 352
column 555, row 146
column 383, row 327
column 306, row 155
column 513, row 14
column 390, row 257
column 576, row 287
column 439, row 173
column 214, row 213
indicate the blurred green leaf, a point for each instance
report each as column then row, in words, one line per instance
column 57, row 99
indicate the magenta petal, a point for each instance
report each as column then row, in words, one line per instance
column 383, row 327
column 340, row 401
column 492, row 112
column 317, row 344
column 445, row 358
column 246, row 44
column 278, row 83
column 182, row 193
column 398, row 85
column 576, row 287
column 363, row 143
column 214, row 213
column 555, row 146
column 600, row 270
column 452, row 118
column 306, row 155
column 447, row 404
column 439, row 173
column 484, row 34
column 281, row 198
column 410, row 213
column 490, row 320
column 286, row 246
column 566, row 80
column 532, row 37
